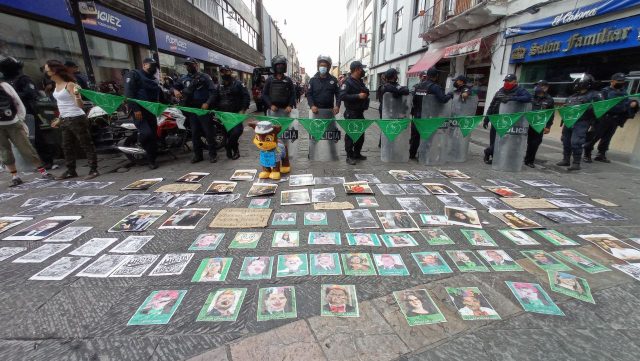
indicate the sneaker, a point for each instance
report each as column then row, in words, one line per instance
column 15, row 182
column 196, row 160
column 361, row 157
column 67, row 174
column 92, row 174
column 351, row 161
column 213, row 159
column 587, row 159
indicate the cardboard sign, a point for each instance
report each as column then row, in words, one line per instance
column 529, row 203
column 241, row 218
column 333, row 205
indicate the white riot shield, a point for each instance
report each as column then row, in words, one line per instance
column 458, row 145
column 290, row 135
column 396, row 108
column 326, row 149
column 433, row 151
column 510, row 149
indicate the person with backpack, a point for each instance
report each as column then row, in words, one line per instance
column 13, row 131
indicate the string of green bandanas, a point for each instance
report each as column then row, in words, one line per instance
column 391, row 128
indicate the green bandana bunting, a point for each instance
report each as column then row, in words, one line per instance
column 282, row 122
column 230, row 120
column 154, row 108
column 503, row 122
column 197, row 111
column 426, row 127
column 108, row 102
column 354, row 128
column 391, row 128
column 538, row 119
column 571, row 114
column 603, row 106
column 315, row 127
column 468, row 124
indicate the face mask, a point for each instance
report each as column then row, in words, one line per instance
column 619, row 85
column 509, row 86
column 227, row 77
column 280, row 69
column 191, row 69
column 322, row 70
column 152, row 69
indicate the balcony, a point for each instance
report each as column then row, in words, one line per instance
column 448, row 16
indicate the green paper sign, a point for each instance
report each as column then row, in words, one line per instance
column 108, row 102
column 154, row 108
column 230, row 120
column 284, row 123
column 426, row 127
column 570, row 285
column 538, row 119
column 197, row 111
column 468, row 124
column 603, row 106
column 315, row 127
column 391, row 128
column 418, row 307
column 571, row 114
column 533, row 298
column 504, row 122
column 354, row 128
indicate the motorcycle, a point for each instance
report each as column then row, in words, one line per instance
column 107, row 131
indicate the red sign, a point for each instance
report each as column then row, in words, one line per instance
column 469, row 47
column 363, row 40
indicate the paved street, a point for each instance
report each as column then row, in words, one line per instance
column 82, row 318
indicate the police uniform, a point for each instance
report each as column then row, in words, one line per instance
column 323, row 91
column 279, row 92
column 144, row 86
column 517, row 94
column 573, row 139
column 420, row 90
column 233, row 98
column 354, row 109
column 534, row 139
column 198, row 89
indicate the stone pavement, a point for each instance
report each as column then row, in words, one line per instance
column 85, row 318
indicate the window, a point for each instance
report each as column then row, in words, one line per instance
column 418, row 5
column 383, row 30
column 398, row 20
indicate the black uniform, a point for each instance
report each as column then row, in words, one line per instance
column 323, row 91
column 605, row 127
column 354, row 109
column 573, row 139
column 233, row 98
column 394, row 88
column 517, row 94
column 279, row 92
column 144, row 86
column 534, row 139
column 419, row 91
column 198, row 89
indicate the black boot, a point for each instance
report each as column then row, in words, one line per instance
column 601, row 158
column 564, row 162
column 236, row 153
column 575, row 165
column 587, row 157
column 229, row 153
column 487, row 157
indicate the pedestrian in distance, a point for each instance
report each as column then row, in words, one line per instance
column 355, row 96
column 541, row 100
column 231, row 95
column 73, row 121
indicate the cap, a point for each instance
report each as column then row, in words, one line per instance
column 619, row 77
column 190, row 60
column 149, row 61
column 432, row 72
column 510, row 77
column 264, row 127
column 462, row 78
column 542, row 82
column 356, row 64
column 391, row 73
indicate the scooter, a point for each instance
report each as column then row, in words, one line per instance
column 107, row 132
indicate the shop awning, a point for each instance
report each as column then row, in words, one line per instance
column 428, row 60
column 469, row 47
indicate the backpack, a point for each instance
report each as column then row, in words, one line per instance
column 8, row 109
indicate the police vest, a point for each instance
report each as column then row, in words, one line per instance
column 147, row 88
column 280, row 92
column 229, row 102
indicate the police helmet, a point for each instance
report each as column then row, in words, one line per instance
column 324, row 58
column 432, row 72
column 278, row 59
column 391, row 73
column 542, row 82
column 10, row 64
column 619, row 77
column 585, row 82
column 510, row 77
column 224, row 68
column 190, row 60
column 462, row 78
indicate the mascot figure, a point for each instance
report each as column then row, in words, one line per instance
column 274, row 156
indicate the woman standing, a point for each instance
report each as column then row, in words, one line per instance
column 73, row 121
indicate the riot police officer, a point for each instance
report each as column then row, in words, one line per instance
column 604, row 129
column 279, row 90
column 541, row 100
column 231, row 96
column 355, row 96
column 573, row 139
column 391, row 86
column 196, row 90
column 142, row 84
column 510, row 92
column 323, row 88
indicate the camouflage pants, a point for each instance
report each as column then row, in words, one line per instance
column 75, row 133
column 17, row 135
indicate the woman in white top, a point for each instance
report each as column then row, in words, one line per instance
column 73, row 121
column 14, row 131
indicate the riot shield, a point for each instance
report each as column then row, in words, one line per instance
column 458, row 145
column 290, row 135
column 396, row 108
column 510, row 149
column 433, row 151
column 326, row 149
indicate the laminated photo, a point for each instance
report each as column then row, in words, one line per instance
column 135, row 266
column 467, row 261
column 597, row 214
column 389, row 189
column 431, row 263
column 256, row 268
column 564, row 192
column 454, row 201
column 103, row 266
column 369, row 178
column 529, row 203
column 629, row 269
column 324, row 238
column 415, row 189
column 260, row 203
column 503, row 183
column 43, row 229
column 471, row 304
column 131, row 244
column 42, row 253
column 284, row 219
column 178, row 188
column 556, row 238
column 397, row 221
column 128, row 200
column 613, row 246
column 8, row 252
column 339, row 300
column 262, row 189
column 540, row 183
column 157, row 200
column 138, row 221
column 301, row 180
column 357, row 264
column 533, row 298
column 604, row 202
column 493, row 204
column 245, row 240
column 60, row 269
column 42, row 209
column 434, row 220
column 142, row 184
column 454, row 174
column 398, row 240
column 462, row 217
column 545, row 261
column 367, row 201
column 581, row 261
column 478, row 238
column 390, row 265
column 158, row 308
column 298, row 196
column 570, row 285
column 363, row 239
column 292, row 265
column 221, row 187
column 212, row 270
column 285, row 239
column 516, row 220
column 439, row 189
column 8, row 196
column 569, row 203
column 93, row 246
column 52, row 198
column 563, row 217
column 468, row 187
column 92, row 200
column 357, row 188
column 222, row 305
column 413, row 205
column 277, row 303
column 315, row 219
column 504, row 192
column 436, row 236
column 192, row 177
column 499, row 260
column 323, row 195
column 403, row 175
column 7, row 223
column 186, row 218
column 243, row 175
column 428, row 174
column 206, row 242
column 329, row 180
column 185, row 200
column 360, row 219
column 171, row 264
column 324, row 264
column 418, row 307
column 518, row 237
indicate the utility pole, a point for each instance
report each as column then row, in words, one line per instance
column 82, row 38
column 151, row 30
